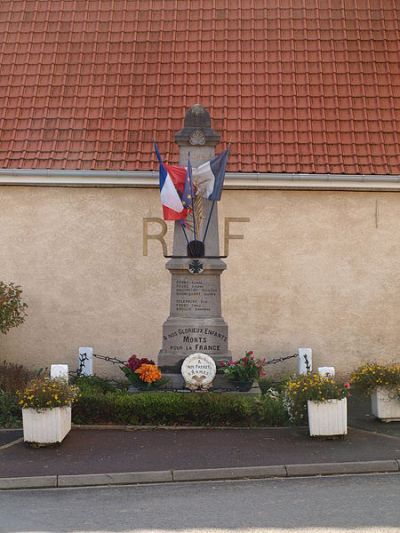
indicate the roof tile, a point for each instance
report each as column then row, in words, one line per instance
column 295, row 85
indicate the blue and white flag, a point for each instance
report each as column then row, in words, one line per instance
column 210, row 176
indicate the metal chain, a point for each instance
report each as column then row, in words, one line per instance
column 83, row 358
column 280, row 359
column 110, row 359
column 116, row 361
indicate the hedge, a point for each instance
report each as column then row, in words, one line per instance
column 164, row 408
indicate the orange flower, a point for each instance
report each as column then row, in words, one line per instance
column 148, row 373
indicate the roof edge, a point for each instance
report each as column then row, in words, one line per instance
column 233, row 180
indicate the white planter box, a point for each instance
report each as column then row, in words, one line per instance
column 327, row 418
column 385, row 405
column 49, row 426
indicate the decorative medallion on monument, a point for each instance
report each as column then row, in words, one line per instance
column 196, row 267
column 198, row 371
column 197, row 138
column 190, row 194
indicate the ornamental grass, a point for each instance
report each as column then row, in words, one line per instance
column 369, row 376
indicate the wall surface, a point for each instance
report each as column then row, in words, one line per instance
column 316, row 268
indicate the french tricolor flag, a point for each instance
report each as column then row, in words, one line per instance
column 172, row 184
column 210, row 176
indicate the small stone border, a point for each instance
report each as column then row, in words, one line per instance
column 125, row 427
column 211, row 474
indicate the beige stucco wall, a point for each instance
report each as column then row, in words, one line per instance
column 315, row 269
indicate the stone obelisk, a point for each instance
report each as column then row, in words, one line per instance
column 195, row 323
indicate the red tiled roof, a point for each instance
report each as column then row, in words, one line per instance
column 295, row 85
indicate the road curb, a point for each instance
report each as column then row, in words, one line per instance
column 353, row 467
column 33, row 482
column 127, row 427
column 203, row 474
column 241, row 472
column 122, row 478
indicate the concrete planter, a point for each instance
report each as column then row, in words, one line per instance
column 327, row 418
column 49, row 426
column 385, row 405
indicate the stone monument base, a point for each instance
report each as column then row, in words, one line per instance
column 220, row 384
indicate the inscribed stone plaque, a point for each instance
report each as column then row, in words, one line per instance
column 198, row 371
column 209, row 336
column 196, row 296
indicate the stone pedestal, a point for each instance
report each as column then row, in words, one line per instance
column 195, row 323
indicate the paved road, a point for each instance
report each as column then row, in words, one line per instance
column 100, row 451
column 319, row 505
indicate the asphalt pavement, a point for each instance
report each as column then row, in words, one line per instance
column 334, row 504
column 125, row 455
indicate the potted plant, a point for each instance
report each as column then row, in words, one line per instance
column 46, row 410
column 382, row 383
column 243, row 372
column 322, row 400
column 143, row 374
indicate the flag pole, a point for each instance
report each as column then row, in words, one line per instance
column 182, row 225
column 191, row 189
column 212, row 207
column 208, row 221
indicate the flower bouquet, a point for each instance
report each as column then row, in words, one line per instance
column 244, row 371
column 143, row 373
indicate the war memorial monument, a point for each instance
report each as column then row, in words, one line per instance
column 195, row 323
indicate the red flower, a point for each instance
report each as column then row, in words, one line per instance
column 347, row 385
column 134, row 362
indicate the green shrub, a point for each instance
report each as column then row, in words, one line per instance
column 165, row 408
column 10, row 411
column 271, row 410
column 97, row 384
column 13, row 377
column 12, row 308
column 276, row 384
